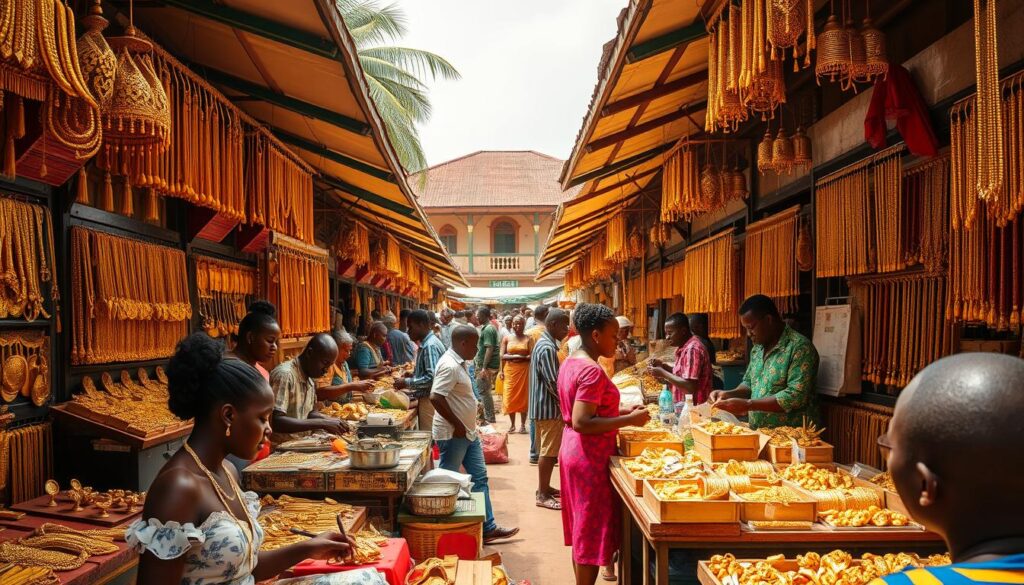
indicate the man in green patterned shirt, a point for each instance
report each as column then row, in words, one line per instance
column 778, row 387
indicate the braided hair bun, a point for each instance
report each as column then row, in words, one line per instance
column 263, row 308
column 199, row 377
column 262, row 315
column 590, row 317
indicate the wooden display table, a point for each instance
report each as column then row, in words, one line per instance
column 105, row 457
column 656, row 538
column 381, row 491
column 118, row 568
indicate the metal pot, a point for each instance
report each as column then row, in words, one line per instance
column 385, row 458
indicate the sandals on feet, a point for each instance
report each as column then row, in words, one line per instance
column 549, row 502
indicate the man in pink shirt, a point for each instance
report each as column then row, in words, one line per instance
column 691, row 374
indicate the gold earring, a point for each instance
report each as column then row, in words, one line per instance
column 227, row 431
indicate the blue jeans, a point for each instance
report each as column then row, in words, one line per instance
column 457, row 453
column 533, row 441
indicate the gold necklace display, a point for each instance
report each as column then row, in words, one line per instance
column 353, row 244
column 225, row 290
column 769, row 259
column 905, row 326
column 926, row 224
column 709, row 276
column 888, row 212
column 24, row 366
column 299, row 285
column 130, row 299
column 984, row 235
column 286, row 512
column 26, row 261
column 848, row 216
column 138, row 409
column 687, row 191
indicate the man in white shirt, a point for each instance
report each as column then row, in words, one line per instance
column 454, row 425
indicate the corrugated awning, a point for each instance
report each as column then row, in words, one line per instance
column 293, row 66
column 651, row 93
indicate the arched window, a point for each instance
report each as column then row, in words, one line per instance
column 504, row 236
column 450, row 239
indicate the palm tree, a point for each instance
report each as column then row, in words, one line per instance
column 395, row 75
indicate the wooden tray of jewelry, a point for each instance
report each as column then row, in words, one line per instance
column 92, row 507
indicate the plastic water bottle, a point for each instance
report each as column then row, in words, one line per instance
column 665, row 405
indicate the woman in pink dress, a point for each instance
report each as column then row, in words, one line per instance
column 589, row 403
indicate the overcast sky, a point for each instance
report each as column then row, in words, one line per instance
column 528, row 69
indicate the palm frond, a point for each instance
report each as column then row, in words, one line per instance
column 412, row 101
column 369, row 22
column 400, row 126
column 415, row 61
column 375, row 67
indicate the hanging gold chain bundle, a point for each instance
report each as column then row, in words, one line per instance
column 26, row 261
column 841, row 216
column 988, row 111
column 709, row 275
column 353, row 244
column 888, row 212
column 29, row 454
column 302, row 283
column 925, row 230
column 225, row 290
column 129, row 299
column 904, row 325
column 769, row 259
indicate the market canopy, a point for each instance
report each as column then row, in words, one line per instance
column 651, row 92
column 294, row 67
column 506, row 296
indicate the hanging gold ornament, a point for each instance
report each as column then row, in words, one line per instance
column 877, row 65
column 711, row 185
column 764, row 153
column 738, row 183
column 137, row 118
column 767, row 90
column 782, row 153
column 858, row 66
column 833, row 51
column 801, row 149
column 786, row 23
column 95, row 57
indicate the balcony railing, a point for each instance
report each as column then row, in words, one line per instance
column 505, row 263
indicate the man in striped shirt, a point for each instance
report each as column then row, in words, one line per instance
column 431, row 350
column 544, row 411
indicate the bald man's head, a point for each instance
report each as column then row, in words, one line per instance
column 318, row 355
column 957, row 436
column 557, row 323
column 464, row 341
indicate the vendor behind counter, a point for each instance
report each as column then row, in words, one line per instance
column 778, row 387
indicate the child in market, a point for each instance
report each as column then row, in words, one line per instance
column 956, row 439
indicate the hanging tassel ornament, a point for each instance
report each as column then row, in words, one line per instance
column 128, row 203
column 151, row 207
column 82, row 191
column 107, row 195
column 988, row 116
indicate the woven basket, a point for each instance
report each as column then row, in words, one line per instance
column 433, row 499
column 422, row 538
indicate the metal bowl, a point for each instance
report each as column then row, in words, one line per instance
column 385, row 458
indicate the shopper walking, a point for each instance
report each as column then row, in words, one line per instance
column 545, row 414
column 488, row 360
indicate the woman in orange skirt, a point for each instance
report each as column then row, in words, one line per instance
column 515, row 373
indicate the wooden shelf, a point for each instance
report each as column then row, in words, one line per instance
column 108, row 432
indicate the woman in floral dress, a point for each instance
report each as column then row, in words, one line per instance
column 198, row 527
column 590, row 408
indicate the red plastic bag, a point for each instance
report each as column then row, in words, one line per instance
column 495, row 447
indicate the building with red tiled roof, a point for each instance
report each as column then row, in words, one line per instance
column 492, row 210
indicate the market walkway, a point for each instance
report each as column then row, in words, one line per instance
column 537, row 553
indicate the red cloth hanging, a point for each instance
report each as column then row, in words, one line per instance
column 896, row 98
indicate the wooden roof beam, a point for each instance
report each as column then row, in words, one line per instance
column 259, row 26
column 639, row 129
column 619, row 185
column 333, row 155
column 361, row 193
column 287, row 102
column 620, row 166
column 667, row 42
column 660, row 90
